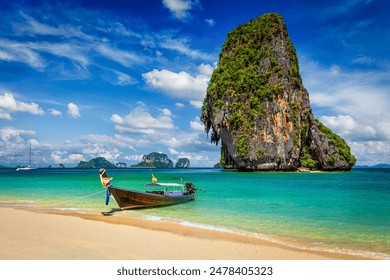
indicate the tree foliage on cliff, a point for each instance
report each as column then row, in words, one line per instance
column 257, row 105
column 245, row 75
column 342, row 147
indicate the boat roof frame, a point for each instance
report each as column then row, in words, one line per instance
column 164, row 185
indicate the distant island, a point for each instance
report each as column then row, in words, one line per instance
column 99, row 162
column 182, row 163
column 152, row 160
column 380, row 165
column 160, row 160
column 157, row 160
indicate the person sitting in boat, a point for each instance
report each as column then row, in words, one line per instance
column 106, row 182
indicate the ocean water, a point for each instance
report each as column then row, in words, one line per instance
column 335, row 212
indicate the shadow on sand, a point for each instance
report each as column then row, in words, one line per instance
column 111, row 213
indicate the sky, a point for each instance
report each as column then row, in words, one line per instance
column 120, row 79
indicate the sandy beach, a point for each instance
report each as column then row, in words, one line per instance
column 28, row 235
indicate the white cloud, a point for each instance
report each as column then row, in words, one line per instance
column 9, row 105
column 353, row 103
column 347, row 127
column 182, row 84
column 353, row 93
column 335, row 70
column 364, row 60
column 179, row 105
column 34, row 27
column 92, row 146
column 75, row 53
column 383, row 127
column 135, row 158
column 55, row 112
column 124, row 58
column 371, row 152
column 124, row 79
column 14, row 144
column 166, row 112
column 141, row 121
column 181, row 46
column 30, row 52
column 210, row 21
column 117, row 78
column 62, row 157
column 206, row 70
column 173, row 151
column 197, row 125
column 19, row 52
column 180, row 8
column 78, row 52
column 11, row 134
column 73, row 110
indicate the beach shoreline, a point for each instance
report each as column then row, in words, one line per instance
column 36, row 234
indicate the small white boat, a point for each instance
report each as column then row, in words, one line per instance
column 28, row 167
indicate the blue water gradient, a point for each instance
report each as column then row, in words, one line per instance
column 342, row 212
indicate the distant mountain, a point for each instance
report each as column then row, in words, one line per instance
column 380, row 165
column 182, row 163
column 157, row 160
column 121, row 165
column 99, row 162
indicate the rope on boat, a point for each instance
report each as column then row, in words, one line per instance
column 81, row 197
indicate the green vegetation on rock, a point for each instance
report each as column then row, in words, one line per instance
column 342, row 147
column 257, row 105
column 306, row 159
column 182, row 163
column 244, row 76
column 157, row 160
column 99, row 162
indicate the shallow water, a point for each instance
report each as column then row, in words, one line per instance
column 336, row 212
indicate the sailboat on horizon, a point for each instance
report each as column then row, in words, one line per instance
column 28, row 167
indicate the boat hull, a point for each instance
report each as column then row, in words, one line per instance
column 130, row 199
column 25, row 168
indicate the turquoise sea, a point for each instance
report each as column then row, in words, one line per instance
column 336, row 212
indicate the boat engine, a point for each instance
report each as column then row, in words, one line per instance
column 190, row 188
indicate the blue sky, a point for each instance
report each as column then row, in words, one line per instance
column 120, row 79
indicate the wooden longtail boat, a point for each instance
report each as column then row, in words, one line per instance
column 155, row 194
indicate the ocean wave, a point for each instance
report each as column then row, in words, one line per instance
column 80, row 210
column 307, row 246
column 151, row 218
column 17, row 201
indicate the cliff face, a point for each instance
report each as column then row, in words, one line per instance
column 182, row 163
column 257, row 106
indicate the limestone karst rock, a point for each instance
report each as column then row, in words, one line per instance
column 257, row 106
column 155, row 159
column 182, row 163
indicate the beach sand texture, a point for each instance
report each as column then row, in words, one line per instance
column 27, row 235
